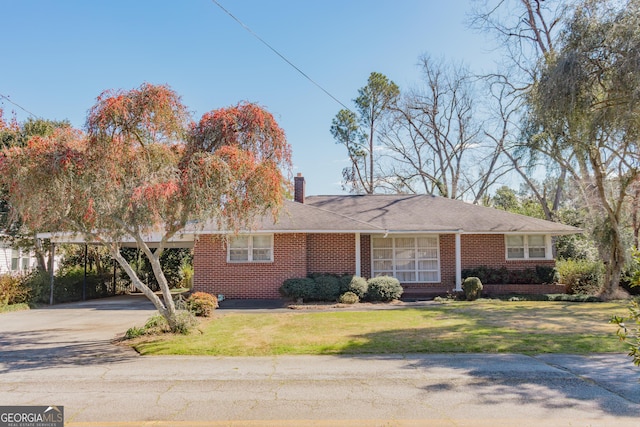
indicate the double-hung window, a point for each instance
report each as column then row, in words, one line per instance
column 20, row 261
column 524, row 246
column 409, row 259
column 250, row 248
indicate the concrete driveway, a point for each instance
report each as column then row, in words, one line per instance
column 73, row 333
column 63, row 356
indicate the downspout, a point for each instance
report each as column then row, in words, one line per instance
column 84, row 278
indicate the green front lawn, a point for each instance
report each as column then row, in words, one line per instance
column 484, row 326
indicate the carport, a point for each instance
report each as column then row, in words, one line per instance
column 185, row 240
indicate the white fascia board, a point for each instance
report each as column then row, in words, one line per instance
column 262, row 231
column 549, row 233
column 434, row 231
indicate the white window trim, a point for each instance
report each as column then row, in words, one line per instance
column 414, row 236
column 250, row 248
column 547, row 248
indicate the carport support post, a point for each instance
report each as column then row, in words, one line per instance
column 115, row 266
column 84, row 278
column 53, row 254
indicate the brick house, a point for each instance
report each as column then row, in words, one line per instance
column 424, row 241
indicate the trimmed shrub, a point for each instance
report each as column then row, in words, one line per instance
column 494, row 276
column 383, row 288
column 472, row 287
column 327, row 288
column 547, row 274
column 355, row 284
column 298, row 288
column 13, row 290
column 499, row 276
column 202, row 304
column 581, row 276
column 349, row 298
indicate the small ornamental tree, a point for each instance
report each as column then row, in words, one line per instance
column 143, row 166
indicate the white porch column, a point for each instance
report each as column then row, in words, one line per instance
column 358, row 260
column 458, row 263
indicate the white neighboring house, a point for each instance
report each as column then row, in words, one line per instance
column 15, row 261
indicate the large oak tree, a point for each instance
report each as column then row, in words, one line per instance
column 586, row 101
column 143, row 166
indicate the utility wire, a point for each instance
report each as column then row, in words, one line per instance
column 19, row 106
column 279, row 54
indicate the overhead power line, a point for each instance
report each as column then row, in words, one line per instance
column 17, row 105
column 279, row 54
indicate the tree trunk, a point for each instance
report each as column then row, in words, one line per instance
column 166, row 308
column 615, row 265
column 617, row 251
column 38, row 251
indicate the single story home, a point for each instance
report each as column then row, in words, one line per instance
column 422, row 240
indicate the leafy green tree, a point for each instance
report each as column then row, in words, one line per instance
column 585, row 101
column 357, row 131
column 505, row 198
column 144, row 168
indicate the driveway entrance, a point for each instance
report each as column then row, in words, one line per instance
column 70, row 334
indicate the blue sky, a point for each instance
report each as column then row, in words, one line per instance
column 58, row 56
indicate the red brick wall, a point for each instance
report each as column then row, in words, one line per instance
column 489, row 250
column 213, row 274
column 331, row 253
column 296, row 255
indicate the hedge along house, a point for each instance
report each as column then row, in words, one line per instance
column 422, row 240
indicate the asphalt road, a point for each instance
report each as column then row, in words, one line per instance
column 63, row 356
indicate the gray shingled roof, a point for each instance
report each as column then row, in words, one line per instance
column 305, row 217
column 425, row 213
column 297, row 217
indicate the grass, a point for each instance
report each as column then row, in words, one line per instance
column 483, row 326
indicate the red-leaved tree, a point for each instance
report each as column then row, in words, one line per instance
column 143, row 166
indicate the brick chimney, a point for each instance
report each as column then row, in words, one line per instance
column 298, row 188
